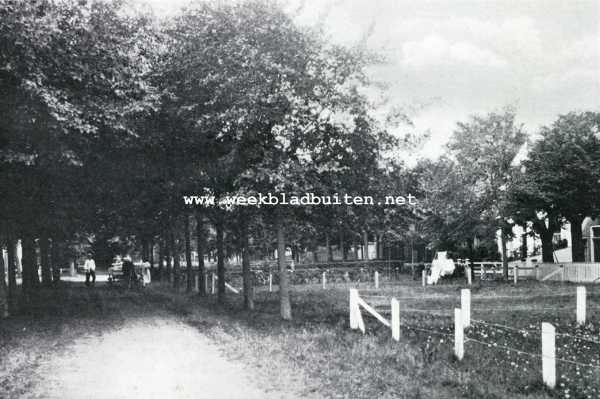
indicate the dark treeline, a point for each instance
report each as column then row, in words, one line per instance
column 110, row 117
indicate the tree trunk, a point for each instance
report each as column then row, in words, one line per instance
column 365, row 254
column 328, row 245
column 151, row 255
column 284, row 289
column 246, row 272
column 12, row 275
column 188, row 256
column 524, row 244
column 577, row 247
column 176, row 261
column 161, row 258
column 144, row 249
column 55, row 260
column 504, row 257
column 220, row 262
column 200, row 249
column 170, row 252
column 547, row 247
column 342, row 244
column 3, row 288
column 45, row 261
column 546, row 235
column 295, row 256
column 30, row 273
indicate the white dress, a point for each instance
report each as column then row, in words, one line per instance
column 440, row 266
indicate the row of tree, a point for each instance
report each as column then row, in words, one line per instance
column 111, row 116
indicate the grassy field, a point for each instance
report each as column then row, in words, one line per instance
column 502, row 356
column 317, row 356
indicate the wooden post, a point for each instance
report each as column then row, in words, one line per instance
column 270, row 282
column 548, row 355
column 515, row 273
column 424, row 277
column 197, row 282
column 581, row 305
column 537, row 272
column 376, row 280
column 324, row 279
column 212, row 290
column 459, row 335
column 205, row 282
column 465, row 305
column 353, row 308
column 395, row 319
column 469, row 275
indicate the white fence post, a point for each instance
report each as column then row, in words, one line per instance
column 324, row 279
column 515, row 273
column 353, row 308
column 424, row 277
column 548, row 355
column 213, row 279
column 395, row 319
column 537, row 272
column 581, row 305
column 469, row 271
column 376, row 280
column 459, row 335
column 270, row 282
column 469, row 275
column 465, row 306
column 205, row 282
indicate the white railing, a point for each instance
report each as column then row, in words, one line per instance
column 462, row 322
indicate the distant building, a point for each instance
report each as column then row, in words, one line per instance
column 562, row 243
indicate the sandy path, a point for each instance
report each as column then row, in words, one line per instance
column 148, row 358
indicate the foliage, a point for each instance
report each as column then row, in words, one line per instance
column 465, row 190
column 560, row 179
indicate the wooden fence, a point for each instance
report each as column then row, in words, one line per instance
column 572, row 272
column 462, row 322
column 567, row 272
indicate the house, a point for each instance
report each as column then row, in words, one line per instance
column 562, row 243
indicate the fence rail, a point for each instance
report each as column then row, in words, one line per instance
column 463, row 333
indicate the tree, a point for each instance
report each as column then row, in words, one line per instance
column 72, row 74
column 201, row 248
column 562, row 173
column 483, row 149
column 3, row 288
column 527, row 206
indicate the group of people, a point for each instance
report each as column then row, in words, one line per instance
column 129, row 274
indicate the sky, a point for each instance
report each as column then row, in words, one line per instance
column 449, row 59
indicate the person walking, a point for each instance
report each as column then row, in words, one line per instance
column 90, row 270
column 129, row 271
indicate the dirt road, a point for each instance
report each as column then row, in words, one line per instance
column 139, row 353
column 154, row 358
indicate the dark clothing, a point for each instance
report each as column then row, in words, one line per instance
column 129, row 272
column 87, row 277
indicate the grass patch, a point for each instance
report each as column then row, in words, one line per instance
column 317, row 356
column 339, row 363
